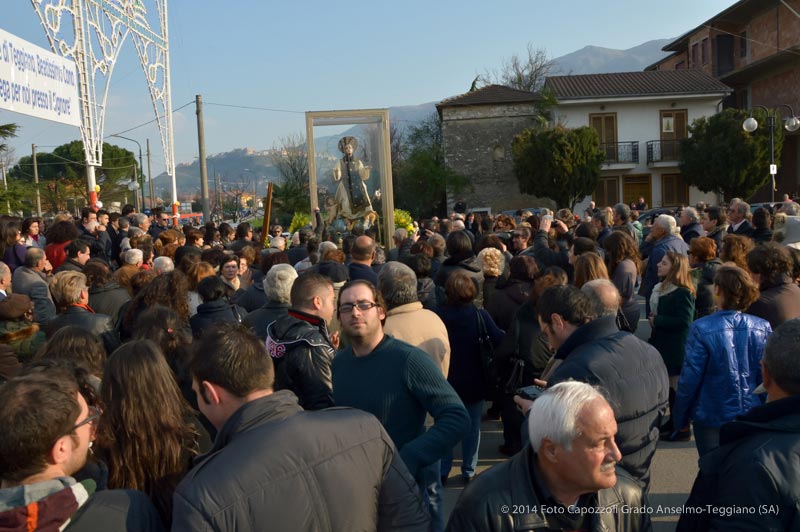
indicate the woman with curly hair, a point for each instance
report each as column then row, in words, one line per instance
column 735, row 249
column 146, row 433
column 32, row 233
column 170, row 290
column 493, row 264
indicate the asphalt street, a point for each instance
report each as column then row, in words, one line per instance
column 672, row 473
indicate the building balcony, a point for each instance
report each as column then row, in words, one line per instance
column 620, row 155
column 662, row 153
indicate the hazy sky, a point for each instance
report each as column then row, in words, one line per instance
column 310, row 56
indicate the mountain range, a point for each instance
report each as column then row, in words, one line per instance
column 242, row 165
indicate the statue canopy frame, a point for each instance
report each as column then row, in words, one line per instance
column 371, row 132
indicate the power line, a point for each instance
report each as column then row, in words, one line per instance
column 149, row 121
column 255, row 108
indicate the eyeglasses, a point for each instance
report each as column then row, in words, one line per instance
column 164, row 219
column 363, row 306
column 94, row 414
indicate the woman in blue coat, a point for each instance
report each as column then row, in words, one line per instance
column 722, row 366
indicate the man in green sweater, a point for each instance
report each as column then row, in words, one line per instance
column 394, row 381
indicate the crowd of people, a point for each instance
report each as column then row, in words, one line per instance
column 157, row 376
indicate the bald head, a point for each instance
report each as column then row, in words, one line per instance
column 363, row 250
column 604, row 295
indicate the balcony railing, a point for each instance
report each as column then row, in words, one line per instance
column 621, row 152
column 663, row 151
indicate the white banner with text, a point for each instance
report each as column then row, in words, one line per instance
column 37, row 82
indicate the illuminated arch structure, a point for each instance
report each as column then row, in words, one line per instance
column 92, row 33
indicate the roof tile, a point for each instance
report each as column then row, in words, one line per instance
column 490, row 94
column 633, row 84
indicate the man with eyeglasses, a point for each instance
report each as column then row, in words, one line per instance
column 737, row 219
column 395, row 381
column 47, row 432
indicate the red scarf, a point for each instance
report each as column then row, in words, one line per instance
column 85, row 307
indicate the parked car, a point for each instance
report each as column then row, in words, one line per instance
column 647, row 217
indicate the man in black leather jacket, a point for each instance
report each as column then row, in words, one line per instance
column 275, row 467
column 300, row 346
column 565, row 480
column 752, row 478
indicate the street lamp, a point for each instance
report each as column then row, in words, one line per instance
column 140, row 166
column 790, row 124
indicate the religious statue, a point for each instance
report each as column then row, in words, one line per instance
column 352, row 200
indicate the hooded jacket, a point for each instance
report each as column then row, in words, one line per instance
column 64, row 504
column 301, row 350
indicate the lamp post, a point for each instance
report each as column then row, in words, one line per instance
column 140, row 166
column 790, row 124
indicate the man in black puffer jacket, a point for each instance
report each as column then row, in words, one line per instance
column 300, row 345
column 275, row 467
column 629, row 370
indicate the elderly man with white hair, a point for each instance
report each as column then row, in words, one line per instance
column 691, row 227
column 661, row 239
column 566, row 479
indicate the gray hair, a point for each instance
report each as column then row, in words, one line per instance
column 163, row 265
column 326, row 246
column 554, row 414
column 32, row 256
column 278, row 283
column 458, row 225
column 742, row 207
column 791, row 209
column 139, row 218
column 4, row 269
column 691, row 212
column 604, row 295
column 398, row 284
column 278, row 242
column 133, row 256
column 781, row 356
column 400, row 234
column 623, row 211
column 123, row 222
column 666, row 222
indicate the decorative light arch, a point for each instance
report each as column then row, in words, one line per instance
column 92, row 33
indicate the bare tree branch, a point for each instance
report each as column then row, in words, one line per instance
column 525, row 73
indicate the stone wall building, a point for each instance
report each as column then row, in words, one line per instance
column 477, row 131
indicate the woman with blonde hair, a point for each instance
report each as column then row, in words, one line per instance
column 493, row 264
column 588, row 267
column 672, row 312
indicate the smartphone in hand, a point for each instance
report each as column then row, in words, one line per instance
column 530, row 392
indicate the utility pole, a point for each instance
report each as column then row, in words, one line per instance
column 220, row 199
column 36, row 182
column 201, row 143
column 150, row 177
column 5, row 185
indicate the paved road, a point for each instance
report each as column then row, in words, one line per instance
column 672, row 473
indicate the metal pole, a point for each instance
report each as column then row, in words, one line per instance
column 135, row 195
column 771, row 124
column 134, row 171
column 36, row 182
column 201, row 144
column 267, row 213
column 5, row 185
column 150, row 177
